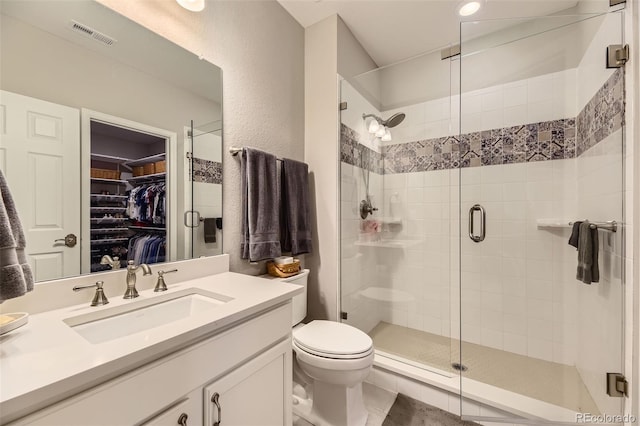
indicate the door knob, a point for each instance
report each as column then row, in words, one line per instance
column 70, row 240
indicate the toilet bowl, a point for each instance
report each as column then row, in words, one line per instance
column 338, row 358
column 334, row 359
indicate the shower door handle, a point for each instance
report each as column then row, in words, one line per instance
column 483, row 223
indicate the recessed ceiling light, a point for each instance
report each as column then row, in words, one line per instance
column 192, row 5
column 469, row 8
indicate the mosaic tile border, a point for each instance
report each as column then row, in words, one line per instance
column 549, row 140
column 543, row 141
column 354, row 153
column 206, row 171
column 603, row 114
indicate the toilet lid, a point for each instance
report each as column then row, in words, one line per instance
column 332, row 338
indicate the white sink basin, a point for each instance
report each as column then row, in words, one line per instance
column 124, row 320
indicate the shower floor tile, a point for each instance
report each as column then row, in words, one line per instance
column 551, row 382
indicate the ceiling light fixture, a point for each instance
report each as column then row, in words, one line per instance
column 192, row 5
column 468, row 8
column 386, row 137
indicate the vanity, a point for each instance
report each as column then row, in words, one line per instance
column 200, row 353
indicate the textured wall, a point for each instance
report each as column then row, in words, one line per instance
column 260, row 49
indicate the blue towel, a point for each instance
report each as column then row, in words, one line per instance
column 16, row 278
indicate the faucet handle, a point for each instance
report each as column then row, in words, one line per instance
column 160, row 284
column 99, row 298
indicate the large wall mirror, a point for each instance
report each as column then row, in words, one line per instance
column 110, row 139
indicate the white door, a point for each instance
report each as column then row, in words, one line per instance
column 40, row 156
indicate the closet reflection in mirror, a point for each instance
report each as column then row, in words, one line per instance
column 109, row 133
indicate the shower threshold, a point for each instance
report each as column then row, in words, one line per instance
column 549, row 382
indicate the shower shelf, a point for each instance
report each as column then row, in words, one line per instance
column 396, row 244
column 553, row 223
column 390, row 220
column 381, row 294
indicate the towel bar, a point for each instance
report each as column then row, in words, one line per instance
column 235, row 150
column 611, row 225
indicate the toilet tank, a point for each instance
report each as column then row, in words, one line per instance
column 299, row 302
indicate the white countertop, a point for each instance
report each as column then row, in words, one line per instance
column 46, row 361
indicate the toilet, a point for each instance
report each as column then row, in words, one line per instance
column 336, row 358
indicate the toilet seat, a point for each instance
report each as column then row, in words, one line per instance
column 333, row 340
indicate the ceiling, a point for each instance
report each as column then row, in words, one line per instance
column 394, row 30
column 159, row 57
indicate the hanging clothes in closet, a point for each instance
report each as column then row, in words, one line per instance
column 147, row 249
column 147, row 204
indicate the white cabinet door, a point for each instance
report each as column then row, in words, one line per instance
column 255, row 394
column 40, row 157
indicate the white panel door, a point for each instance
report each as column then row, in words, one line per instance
column 40, row 156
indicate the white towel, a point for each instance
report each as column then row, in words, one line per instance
column 16, row 277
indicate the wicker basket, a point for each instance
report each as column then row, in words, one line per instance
column 149, row 168
column 284, row 271
column 161, row 166
column 138, row 171
column 105, row 173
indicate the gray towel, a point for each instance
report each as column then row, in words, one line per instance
column 295, row 224
column 588, row 271
column 16, row 278
column 260, row 206
column 210, row 230
column 575, row 234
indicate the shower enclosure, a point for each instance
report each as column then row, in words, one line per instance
column 203, row 199
column 464, row 273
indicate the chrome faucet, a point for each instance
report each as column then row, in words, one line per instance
column 131, row 292
column 113, row 262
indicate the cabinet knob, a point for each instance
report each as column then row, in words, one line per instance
column 182, row 420
column 216, row 401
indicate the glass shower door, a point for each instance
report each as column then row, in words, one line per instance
column 205, row 164
column 398, row 237
column 541, row 147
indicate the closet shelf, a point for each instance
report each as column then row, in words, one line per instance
column 148, row 228
column 109, row 230
column 111, row 181
column 112, row 159
column 145, row 160
column 156, row 177
column 109, row 241
column 107, row 220
column 108, row 197
column 108, row 209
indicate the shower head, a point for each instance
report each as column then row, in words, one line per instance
column 394, row 120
